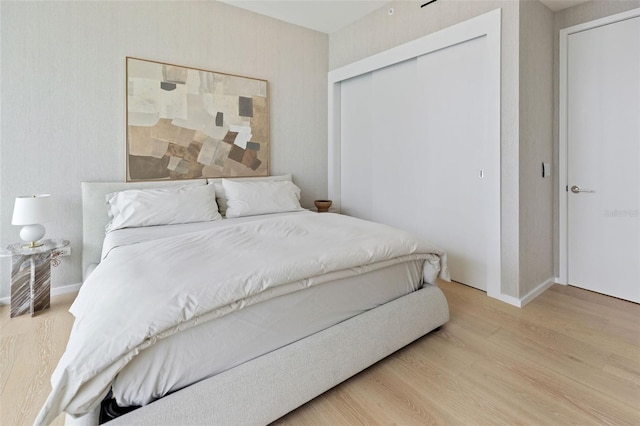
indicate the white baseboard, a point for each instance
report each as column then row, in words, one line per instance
column 520, row 302
column 514, row 301
column 55, row 291
column 537, row 291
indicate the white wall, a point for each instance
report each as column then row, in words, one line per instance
column 536, row 146
column 63, row 94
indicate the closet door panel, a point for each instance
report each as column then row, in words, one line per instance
column 399, row 146
column 453, row 103
column 355, row 150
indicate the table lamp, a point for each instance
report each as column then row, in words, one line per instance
column 31, row 211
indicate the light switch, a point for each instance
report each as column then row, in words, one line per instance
column 546, row 170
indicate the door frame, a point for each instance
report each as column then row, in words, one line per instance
column 563, row 155
column 487, row 25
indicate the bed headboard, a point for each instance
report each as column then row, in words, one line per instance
column 94, row 211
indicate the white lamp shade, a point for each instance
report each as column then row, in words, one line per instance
column 31, row 209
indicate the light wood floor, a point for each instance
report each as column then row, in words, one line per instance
column 569, row 357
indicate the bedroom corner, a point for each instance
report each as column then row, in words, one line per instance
column 63, row 96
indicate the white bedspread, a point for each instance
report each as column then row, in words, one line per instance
column 146, row 291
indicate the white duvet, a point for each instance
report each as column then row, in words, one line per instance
column 146, row 291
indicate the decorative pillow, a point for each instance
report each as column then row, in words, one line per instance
column 220, row 195
column 161, row 206
column 253, row 198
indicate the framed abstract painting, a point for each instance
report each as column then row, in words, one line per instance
column 187, row 123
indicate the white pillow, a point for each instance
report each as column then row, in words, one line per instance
column 161, row 206
column 221, row 197
column 253, row 198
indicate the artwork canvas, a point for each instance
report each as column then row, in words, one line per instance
column 187, row 123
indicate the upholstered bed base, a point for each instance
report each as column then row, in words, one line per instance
column 268, row 387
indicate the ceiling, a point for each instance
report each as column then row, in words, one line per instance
column 328, row 16
column 556, row 5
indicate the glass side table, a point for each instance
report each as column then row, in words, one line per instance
column 31, row 276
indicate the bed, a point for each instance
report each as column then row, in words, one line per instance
column 307, row 318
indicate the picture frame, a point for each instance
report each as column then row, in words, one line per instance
column 190, row 123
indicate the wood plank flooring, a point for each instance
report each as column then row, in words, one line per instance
column 29, row 351
column 569, row 357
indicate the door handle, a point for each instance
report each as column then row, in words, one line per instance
column 576, row 189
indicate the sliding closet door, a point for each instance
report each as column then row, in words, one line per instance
column 399, row 148
column 413, row 146
column 454, row 128
column 357, row 155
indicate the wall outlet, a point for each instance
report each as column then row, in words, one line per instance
column 64, row 251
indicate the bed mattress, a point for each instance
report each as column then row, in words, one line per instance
column 215, row 346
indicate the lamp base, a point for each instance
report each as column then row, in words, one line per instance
column 33, row 244
column 31, row 234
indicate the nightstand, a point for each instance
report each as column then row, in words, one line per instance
column 31, row 276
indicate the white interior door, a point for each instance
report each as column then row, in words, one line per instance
column 603, row 159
